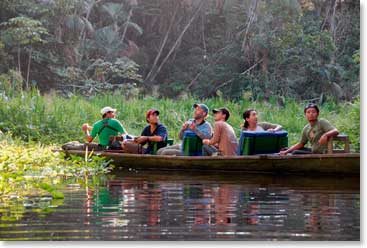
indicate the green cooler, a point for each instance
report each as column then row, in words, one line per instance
column 192, row 145
column 252, row 143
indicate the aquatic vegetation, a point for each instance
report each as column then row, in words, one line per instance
column 30, row 176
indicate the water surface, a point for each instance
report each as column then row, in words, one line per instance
column 136, row 205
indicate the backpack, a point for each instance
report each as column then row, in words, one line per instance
column 105, row 124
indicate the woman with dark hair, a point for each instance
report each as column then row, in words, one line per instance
column 251, row 123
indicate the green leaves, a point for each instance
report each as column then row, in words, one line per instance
column 57, row 195
column 108, row 41
column 134, row 26
column 23, row 31
column 114, row 10
column 75, row 22
column 47, row 187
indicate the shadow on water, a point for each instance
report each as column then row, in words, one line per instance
column 149, row 205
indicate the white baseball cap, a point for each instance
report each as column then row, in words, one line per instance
column 107, row 109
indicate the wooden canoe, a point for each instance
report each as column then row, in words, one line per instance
column 347, row 163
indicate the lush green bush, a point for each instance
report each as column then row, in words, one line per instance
column 350, row 123
column 54, row 119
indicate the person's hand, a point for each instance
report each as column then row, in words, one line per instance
column 283, row 153
column 141, row 139
column 85, row 127
column 192, row 126
column 206, row 141
column 185, row 126
column 323, row 139
column 123, row 144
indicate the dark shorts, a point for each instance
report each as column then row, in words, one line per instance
column 302, row 151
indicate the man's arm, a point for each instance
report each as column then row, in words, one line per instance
column 144, row 139
column 121, row 128
column 155, row 138
column 292, row 148
column 216, row 135
column 183, row 129
column 299, row 145
column 86, row 128
column 207, row 134
column 160, row 136
column 329, row 130
column 324, row 138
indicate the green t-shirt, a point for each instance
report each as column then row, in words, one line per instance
column 314, row 133
column 104, row 136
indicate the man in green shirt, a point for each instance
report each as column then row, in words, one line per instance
column 316, row 132
column 104, row 128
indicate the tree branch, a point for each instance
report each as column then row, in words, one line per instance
column 177, row 41
column 162, row 45
column 251, row 18
column 230, row 80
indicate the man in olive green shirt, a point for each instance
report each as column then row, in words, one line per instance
column 104, row 128
column 316, row 132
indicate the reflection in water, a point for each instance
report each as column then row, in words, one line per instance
column 169, row 206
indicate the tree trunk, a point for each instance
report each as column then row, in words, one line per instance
column 333, row 28
column 178, row 41
column 127, row 22
column 251, row 19
column 162, row 45
column 83, row 33
column 28, row 69
column 18, row 53
column 333, row 22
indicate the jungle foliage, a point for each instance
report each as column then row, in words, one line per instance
column 304, row 49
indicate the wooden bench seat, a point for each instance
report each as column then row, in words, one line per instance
column 341, row 137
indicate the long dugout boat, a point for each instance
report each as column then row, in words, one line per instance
column 338, row 163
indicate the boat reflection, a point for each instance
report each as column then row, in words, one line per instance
column 156, row 206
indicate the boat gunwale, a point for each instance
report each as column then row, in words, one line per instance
column 209, row 158
column 342, row 164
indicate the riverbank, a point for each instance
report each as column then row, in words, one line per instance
column 52, row 119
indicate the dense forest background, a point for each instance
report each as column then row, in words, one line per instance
column 253, row 49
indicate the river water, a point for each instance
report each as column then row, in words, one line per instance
column 136, row 205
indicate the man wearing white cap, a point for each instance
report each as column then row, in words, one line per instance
column 104, row 128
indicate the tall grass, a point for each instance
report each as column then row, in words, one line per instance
column 54, row 119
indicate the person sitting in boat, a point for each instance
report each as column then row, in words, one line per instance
column 104, row 129
column 154, row 132
column 316, row 132
column 251, row 123
column 224, row 141
column 198, row 125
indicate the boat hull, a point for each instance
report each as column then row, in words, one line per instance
column 313, row 163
